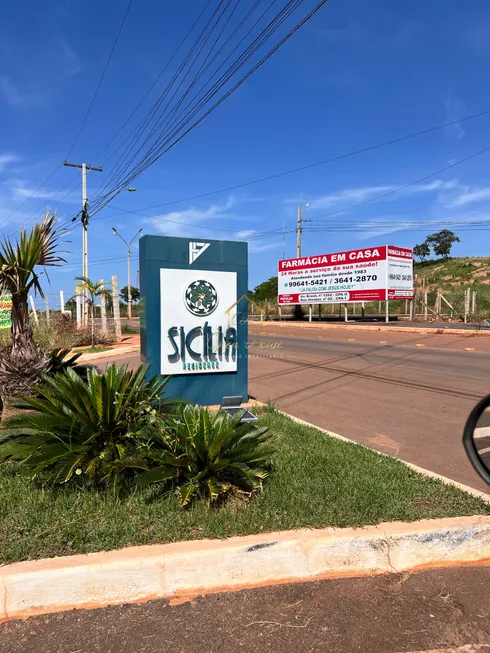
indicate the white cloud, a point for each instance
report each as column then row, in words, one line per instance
column 469, row 195
column 348, row 195
column 21, row 191
column 10, row 91
column 7, row 159
column 454, row 109
column 361, row 194
column 245, row 234
column 51, row 65
column 182, row 223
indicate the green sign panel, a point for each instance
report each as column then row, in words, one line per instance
column 5, row 311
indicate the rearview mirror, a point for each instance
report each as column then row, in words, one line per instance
column 476, row 438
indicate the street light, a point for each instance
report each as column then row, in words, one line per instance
column 128, row 245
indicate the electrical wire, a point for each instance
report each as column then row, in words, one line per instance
column 104, row 71
column 400, row 188
column 82, row 126
column 188, row 121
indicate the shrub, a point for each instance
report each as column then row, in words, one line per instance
column 210, row 455
column 62, row 332
column 87, row 430
column 298, row 312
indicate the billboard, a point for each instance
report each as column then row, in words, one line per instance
column 5, row 311
column 359, row 275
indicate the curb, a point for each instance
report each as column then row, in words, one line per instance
column 108, row 354
column 366, row 327
column 204, row 566
column 424, row 472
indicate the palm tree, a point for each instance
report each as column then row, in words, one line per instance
column 24, row 364
column 92, row 290
column 18, row 276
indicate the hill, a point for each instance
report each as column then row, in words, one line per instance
column 453, row 276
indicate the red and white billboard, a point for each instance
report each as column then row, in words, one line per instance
column 358, row 275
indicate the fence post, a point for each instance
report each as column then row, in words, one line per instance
column 33, row 306
column 115, row 305
column 310, row 312
column 78, row 303
column 103, row 318
column 426, row 307
column 46, row 300
column 438, row 303
column 473, row 302
column 387, row 311
column 62, row 301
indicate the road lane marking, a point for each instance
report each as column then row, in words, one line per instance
column 383, row 342
column 420, row 345
column 470, row 348
column 351, row 339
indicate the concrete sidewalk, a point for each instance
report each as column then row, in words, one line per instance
column 441, row 611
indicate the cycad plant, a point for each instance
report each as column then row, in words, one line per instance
column 210, row 455
column 86, row 429
column 92, row 290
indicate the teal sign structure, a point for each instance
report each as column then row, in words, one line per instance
column 194, row 316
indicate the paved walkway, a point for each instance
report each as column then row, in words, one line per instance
column 438, row 610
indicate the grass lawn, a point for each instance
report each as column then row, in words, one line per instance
column 92, row 350
column 318, row 481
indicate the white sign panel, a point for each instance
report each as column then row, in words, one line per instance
column 198, row 325
column 400, row 273
column 359, row 275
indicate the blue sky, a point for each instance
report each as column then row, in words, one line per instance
column 357, row 74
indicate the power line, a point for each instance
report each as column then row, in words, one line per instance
column 165, row 141
column 401, row 188
column 104, row 71
column 320, row 163
column 84, row 121
column 161, row 73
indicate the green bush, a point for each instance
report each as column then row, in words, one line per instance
column 89, row 430
column 210, row 455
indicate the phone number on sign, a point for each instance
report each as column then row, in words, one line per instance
column 318, row 282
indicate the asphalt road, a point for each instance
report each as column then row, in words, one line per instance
column 436, row 611
column 407, row 395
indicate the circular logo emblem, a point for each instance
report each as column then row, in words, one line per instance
column 201, row 298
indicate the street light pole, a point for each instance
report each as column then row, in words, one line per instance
column 128, row 245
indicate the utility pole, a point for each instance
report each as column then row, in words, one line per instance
column 283, row 242
column 298, row 233
column 85, row 219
